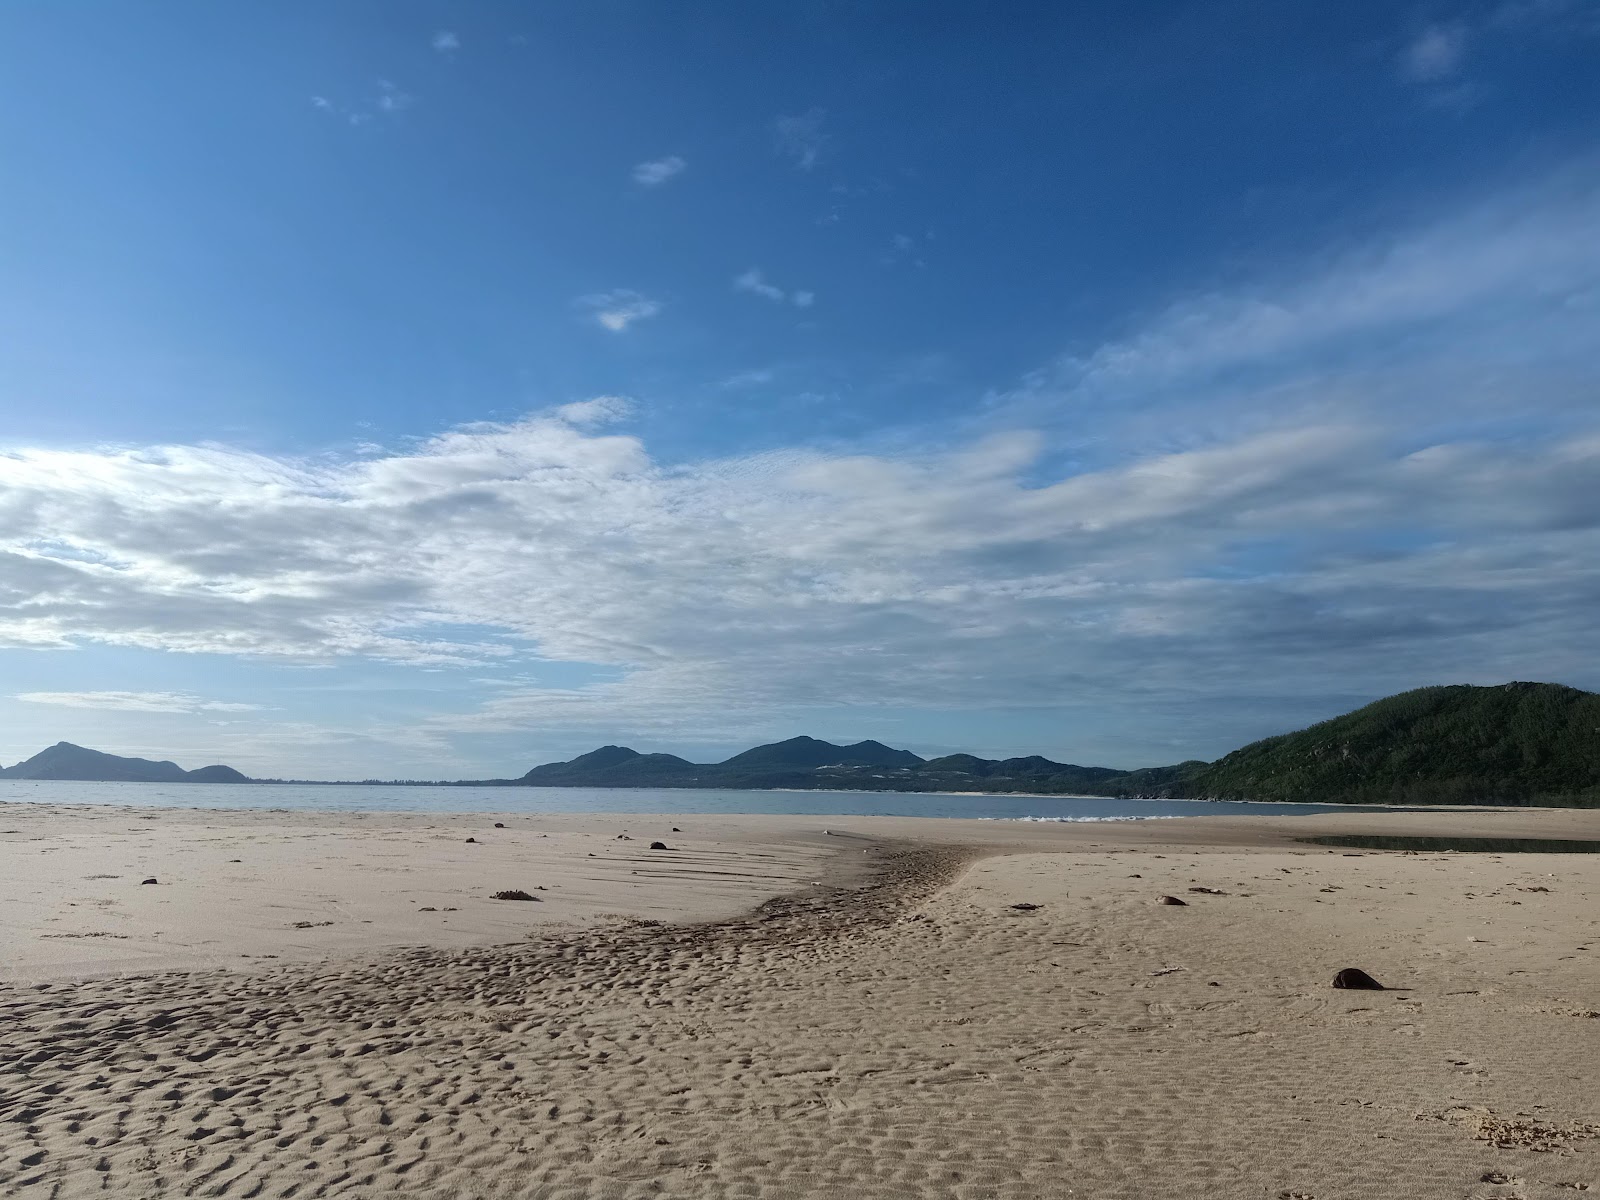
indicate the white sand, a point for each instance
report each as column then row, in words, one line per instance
column 917, row 1037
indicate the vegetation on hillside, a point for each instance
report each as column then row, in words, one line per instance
column 1519, row 743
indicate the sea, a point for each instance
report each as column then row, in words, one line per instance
column 300, row 797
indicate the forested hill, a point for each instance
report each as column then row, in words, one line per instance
column 1518, row 743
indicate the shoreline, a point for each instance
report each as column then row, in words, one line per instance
column 669, row 787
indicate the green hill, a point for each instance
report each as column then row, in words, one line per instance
column 1518, row 743
column 217, row 773
column 808, row 753
column 613, row 766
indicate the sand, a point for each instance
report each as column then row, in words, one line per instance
column 885, row 1023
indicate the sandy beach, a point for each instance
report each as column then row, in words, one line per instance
column 331, row 1004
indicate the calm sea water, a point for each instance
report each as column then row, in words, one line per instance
column 378, row 798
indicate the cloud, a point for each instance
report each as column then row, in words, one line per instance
column 1368, row 471
column 730, row 590
column 1514, row 275
column 658, row 171
column 904, row 248
column 801, row 138
column 389, row 100
column 1434, row 54
column 755, row 283
column 161, row 702
column 600, row 410
column 446, row 42
column 616, row 310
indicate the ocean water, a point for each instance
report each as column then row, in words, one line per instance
column 296, row 797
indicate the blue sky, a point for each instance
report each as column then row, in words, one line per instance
column 436, row 389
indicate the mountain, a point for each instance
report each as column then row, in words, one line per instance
column 806, row 762
column 595, row 760
column 1517, row 743
column 807, row 753
column 960, row 764
column 66, row 761
column 1176, row 782
column 216, row 773
column 966, row 772
column 613, row 766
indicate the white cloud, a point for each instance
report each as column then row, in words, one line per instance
column 600, row 410
column 446, row 41
column 801, row 139
column 1434, row 54
column 389, row 100
column 658, row 171
column 162, row 702
column 755, row 283
column 1524, row 257
column 904, row 248
column 761, row 584
column 616, row 310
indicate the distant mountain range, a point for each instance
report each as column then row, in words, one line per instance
column 1517, row 743
column 801, row 762
column 66, row 761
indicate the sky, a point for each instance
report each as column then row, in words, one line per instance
column 429, row 390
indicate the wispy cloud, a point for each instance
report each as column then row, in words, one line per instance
column 599, row 410
column 391, row 99
column 388, row 100
column 616, row 310
column 903, row 247
column 1434, row 54
column 1527, row 260
column 159, row 702
column 754, row 377
column 755, row 283
column 657, row 171
column 446, row 41
column 801, row 138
